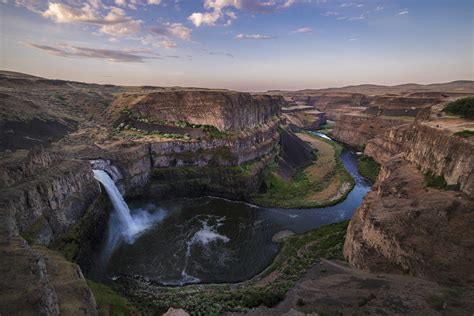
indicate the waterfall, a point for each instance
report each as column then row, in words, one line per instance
column 130, row 224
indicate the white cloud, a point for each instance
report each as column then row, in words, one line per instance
column 352, row 39
column 217, row 10
column 254, row 37
column 115, row 23
column 403, row 12
column 303, row 30
column 207, row 18
column 179, row 30
column 155, row 2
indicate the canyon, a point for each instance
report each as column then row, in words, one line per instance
column 183, row 143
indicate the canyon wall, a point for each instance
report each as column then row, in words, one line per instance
column 405, row 227
column 356, row 129
column 226, row 110
column 431, row 149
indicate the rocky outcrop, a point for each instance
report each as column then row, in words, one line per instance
column 226, row 110
column 44, row 200
column 402, row 226
column 431, row 149
column 38, row 281
column 358, row 129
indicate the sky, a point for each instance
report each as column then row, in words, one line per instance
column 247, row 45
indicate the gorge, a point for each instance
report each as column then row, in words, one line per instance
column 224, row 202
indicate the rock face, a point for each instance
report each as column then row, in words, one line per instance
column 357, row 128
column 431, row 149
column 226, row 110
column 47, row 194
column 402, row 226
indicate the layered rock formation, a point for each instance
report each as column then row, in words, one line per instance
column 404, row 227
column 431, row 149
column 226, row 110
column 407, row 227
column 358, row 128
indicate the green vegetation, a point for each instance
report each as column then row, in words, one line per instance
column 109, row 302
column 446, row 297
column 368, row 167
column 301, row 190
column 86, row 232
column 59, row 96
column 463, row 107
column 465, row 133
column 438, row 182
column 33, row 230
column 214, row 132
column 125, row 110
column 298, row 254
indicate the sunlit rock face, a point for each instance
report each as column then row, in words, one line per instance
column 404, row 227
column 226, row 110
column 430, row 148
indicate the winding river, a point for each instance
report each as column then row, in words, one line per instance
column 214, row 240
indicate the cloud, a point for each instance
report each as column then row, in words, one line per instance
column 403, row 12
column 222, row 54
column 115, row 22
column 330, row 13
column 198, row 18
column 254, row 37
column 126, row 56
column 173, row 29
column 303, row 30
column 218, row 9
column 155, row 2
column 357, row 18
column 352, row 39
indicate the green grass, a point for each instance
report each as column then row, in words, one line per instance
column 438, row 182
column 294, row 193
column 463, row 107
column 297, row 255
column 125, row 110
column 465, row 133
column 109, row 302
column 214, row 132
column 368, row 167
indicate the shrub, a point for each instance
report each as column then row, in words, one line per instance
column 438, row 182
column 368, row 167
column 125, row 110
column 463, row 107
column 465, row 133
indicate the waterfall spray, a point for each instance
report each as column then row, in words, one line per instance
column 130, row 224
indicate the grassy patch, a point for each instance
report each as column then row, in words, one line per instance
column 307, row 187
column 125, row 110
column 368, row 167
column 465, row 133
column 298, row 254
column 463, row 107
column 438, row 182
column 214, row 132
column 109, row 302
